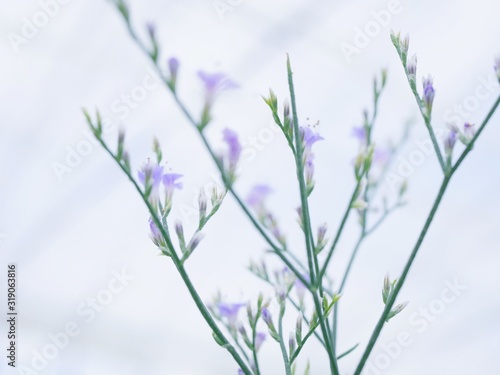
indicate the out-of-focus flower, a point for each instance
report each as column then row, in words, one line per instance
column 150, row 174
column 230, row 311
column 214, row 84
column 301, row 289
column 257, row 197
column 150, row 177
column 382, row 155
column 359, row 133
column 234, row 153
column 151, row 28
column 170, row 180
column 260, row 337
column 429, row 93
column 173, row 67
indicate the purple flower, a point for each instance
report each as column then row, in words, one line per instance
column 240, row 372
column 429, row 93
column 150, row 176
column 309, row 136
column 230, row 311
column 171, row 183
column 259, row 340
column 215, row 83
column 359, row 133
column 231, row 138
column 257, row 196
column 301, row 289
column 151, row 173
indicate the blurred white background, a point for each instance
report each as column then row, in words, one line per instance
column 70, row 233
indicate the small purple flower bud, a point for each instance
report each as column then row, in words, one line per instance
column 231, row 139
column 429, row 93
column 321, row 241
column 292, row 344
column 412, row 68
column 195, row 241
column 469, row 131
column 240, row 372
column 405, row 44
column 173, row 67
column 155, row 234
column 179, row 230
column 266, row 315
column 286, row 109
column 449, row 142
column 151, row 30
column 202, row 204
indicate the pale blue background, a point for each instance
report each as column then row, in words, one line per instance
column 68, row 236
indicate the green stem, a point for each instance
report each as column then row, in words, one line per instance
column 402, row 278
column 286, row 360
column 254, row 350
column 182, row 272
column 311, row 256
column 392, row 298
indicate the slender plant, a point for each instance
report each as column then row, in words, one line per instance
column 301, row 288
